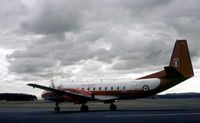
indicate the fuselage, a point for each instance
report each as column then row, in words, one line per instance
column 121, row 89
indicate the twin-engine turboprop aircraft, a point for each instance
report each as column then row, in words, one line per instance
column 178, row 70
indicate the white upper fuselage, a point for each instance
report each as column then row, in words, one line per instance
column 115, row 85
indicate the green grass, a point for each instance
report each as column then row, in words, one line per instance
column 124, row 104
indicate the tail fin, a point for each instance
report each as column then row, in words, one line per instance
column 180, row 60
column 180, row 65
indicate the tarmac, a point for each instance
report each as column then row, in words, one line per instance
column 138, row 115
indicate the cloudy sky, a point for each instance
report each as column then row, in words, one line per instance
column 75, row 40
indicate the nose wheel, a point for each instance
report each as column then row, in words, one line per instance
column 57, row 109
column 84, row 108
column 113, row 107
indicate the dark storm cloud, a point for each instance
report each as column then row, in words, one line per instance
column 124, row 34
column 53, row 17
column 11, row 13
column 31, row 65
column 44, row 54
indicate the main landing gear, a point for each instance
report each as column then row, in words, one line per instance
column 113, row 107
column 84, row 108
column 57, row 108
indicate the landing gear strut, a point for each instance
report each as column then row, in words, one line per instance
column 57, row 108
column 113, row 107
column 84, row 108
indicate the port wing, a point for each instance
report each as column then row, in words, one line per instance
column 75, row 96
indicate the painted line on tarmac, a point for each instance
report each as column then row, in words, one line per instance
column 153, row 115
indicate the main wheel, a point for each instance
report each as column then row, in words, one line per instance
column 57, row 109
column 84, row 108
column 113, row 107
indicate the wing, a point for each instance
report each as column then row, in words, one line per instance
column 75, row 96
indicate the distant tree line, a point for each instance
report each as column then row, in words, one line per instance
column 17, row 97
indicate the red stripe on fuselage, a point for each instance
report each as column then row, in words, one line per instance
column 128, row 94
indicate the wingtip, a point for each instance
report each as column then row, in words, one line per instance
column 29, row 84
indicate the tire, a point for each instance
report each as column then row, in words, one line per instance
column 113, row 107
column 57, row 109
column 84, row 108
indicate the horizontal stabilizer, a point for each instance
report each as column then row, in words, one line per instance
column 171, row 72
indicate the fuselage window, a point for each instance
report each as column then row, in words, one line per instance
column 94, row 89
column 105, row 88
column 82, row 88
column 88, row 89
column 111, row 88
column 124, row 88
column 99, row 88
column 118, row 88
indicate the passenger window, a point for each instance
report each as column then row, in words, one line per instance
column 105, row 88
column 99, row 88
column 94, row 89
column 124, row 88
column 82, row 88
column 88, row 89
column 111, row 88
column 118, row 88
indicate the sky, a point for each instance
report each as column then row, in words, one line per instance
column 74, row 40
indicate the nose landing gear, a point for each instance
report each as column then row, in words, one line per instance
column 57, row 108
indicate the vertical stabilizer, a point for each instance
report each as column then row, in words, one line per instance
column 180, row 59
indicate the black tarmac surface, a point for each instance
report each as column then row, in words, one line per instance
column 47, row 115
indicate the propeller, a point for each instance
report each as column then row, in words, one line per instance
column 52, row 83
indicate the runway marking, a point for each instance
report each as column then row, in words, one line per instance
column 153, row 115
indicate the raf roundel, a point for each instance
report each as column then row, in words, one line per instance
column 145, row 88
